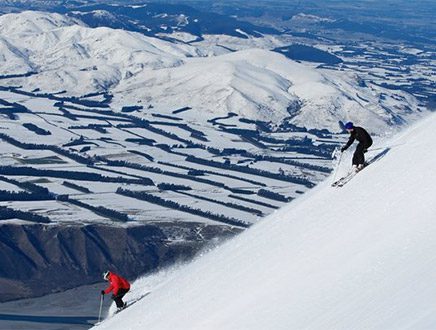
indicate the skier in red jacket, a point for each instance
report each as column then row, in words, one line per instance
column 118, row 285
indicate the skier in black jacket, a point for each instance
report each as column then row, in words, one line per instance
column 365, row 141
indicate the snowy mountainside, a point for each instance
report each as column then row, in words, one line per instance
column 13, row 59
column 78, row 59
column 358, row 257
column 261, row 84
column 33, row 22
column 258, row 84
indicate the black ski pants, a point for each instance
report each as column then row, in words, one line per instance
column 119, row 297
column 359, row 157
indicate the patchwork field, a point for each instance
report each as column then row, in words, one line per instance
column 79, row 160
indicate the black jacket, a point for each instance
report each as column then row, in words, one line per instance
column 361, row 135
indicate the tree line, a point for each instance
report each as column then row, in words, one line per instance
column 184, row 208
column 7, row 213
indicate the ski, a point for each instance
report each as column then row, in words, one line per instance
column 345, row 179
column 130, row 303
column 341, row 181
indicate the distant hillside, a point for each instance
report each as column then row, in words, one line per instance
column 64, row 55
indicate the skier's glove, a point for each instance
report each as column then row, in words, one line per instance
column 343, row 149
column 102, row 292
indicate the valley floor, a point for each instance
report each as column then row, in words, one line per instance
column 75, row 309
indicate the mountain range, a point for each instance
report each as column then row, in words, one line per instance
column 64, row 55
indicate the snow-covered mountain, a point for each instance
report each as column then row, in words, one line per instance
column 257, row 84
column 79, row 59
column 357, row 257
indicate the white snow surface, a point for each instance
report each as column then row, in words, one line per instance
column 357, row 257
column 254, row 83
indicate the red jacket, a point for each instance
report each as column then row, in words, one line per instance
column 116, row 283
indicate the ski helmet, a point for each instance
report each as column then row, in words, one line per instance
column 106, row 275
column 349, row 125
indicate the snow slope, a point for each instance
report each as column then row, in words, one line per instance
column 357, row 257
column 66, row 55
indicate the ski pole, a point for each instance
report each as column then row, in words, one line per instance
column 101, row 305
column 337, row 166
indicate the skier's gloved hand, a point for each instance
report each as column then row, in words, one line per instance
column 102, row 292
column 343, row 149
